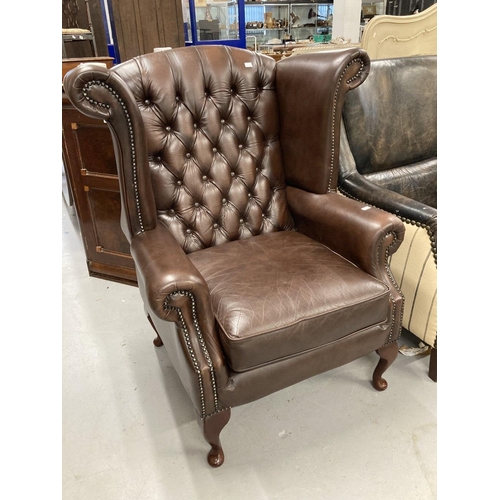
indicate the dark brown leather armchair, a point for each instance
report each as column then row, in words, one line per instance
column 388, row 158
column 228, row 167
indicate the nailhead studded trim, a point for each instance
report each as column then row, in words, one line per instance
column 393, row 281
column 429, row 232
column 390, row 276
column 408, row 221
column 115, row 94
column 357, row 60
column 192, row 354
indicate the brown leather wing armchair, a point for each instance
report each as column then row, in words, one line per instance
column 388, row 158
column 228, row 167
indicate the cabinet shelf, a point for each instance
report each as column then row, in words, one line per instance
column 298, row 20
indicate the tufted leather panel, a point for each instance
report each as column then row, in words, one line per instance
column 213, row 145
column 391, row 120
column 283, row 293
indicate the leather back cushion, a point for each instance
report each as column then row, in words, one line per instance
column 391, row 119
column 211, row 119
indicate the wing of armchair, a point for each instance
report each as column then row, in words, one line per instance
column 388, row 158
column 228, row 166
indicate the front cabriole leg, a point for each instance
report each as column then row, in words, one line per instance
column 158, row 342
column 212, row 426
column 388, row 353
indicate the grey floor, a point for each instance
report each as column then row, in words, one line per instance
column 129, row 432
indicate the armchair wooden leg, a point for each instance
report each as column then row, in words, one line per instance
column 433, row 365
column 212, row 427
column 158, row 342
column 388, row 353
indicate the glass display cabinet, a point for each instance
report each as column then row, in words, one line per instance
column 275, row 22
column 266, row 22
column 311, row 20
column 214, row 22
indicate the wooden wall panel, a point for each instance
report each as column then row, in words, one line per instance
column 142, row 25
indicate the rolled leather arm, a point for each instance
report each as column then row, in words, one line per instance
column 362, row 234
column 356, row 186
column 167, row 278
column 99, row 93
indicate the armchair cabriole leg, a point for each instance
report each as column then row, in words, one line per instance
column 158, row 342
column 388, row 353
column 212, row 427
column 433, row 365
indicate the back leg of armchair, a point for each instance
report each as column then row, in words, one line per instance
column 388, row 353
column 158, row 342
column 212, row 426
column 433, row 365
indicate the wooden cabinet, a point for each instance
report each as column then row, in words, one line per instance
column 142, row 25
column 89, row 163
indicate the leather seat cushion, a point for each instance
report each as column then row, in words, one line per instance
column 279, row 294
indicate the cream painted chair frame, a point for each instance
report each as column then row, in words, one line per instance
column 388, row 36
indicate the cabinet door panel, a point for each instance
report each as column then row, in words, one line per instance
column 105, row 212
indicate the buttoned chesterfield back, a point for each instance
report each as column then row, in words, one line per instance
column 253, row 271
column 213, row 145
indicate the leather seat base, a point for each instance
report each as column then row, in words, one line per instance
column 278, row 294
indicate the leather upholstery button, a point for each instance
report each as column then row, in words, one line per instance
column 147, row 102
column 216, row 226
column 223, row 121
column 188, row 155
column 240, row 146
column 179, row 183
column 214, row 150
column 195, row 126
column 224, row 201
column 241, row 221
column 204, row 177
column 168, row 129
column 188, row 231
column 232, row 174
column 196, row 204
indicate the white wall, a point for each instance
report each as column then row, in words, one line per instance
column 346, row 19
